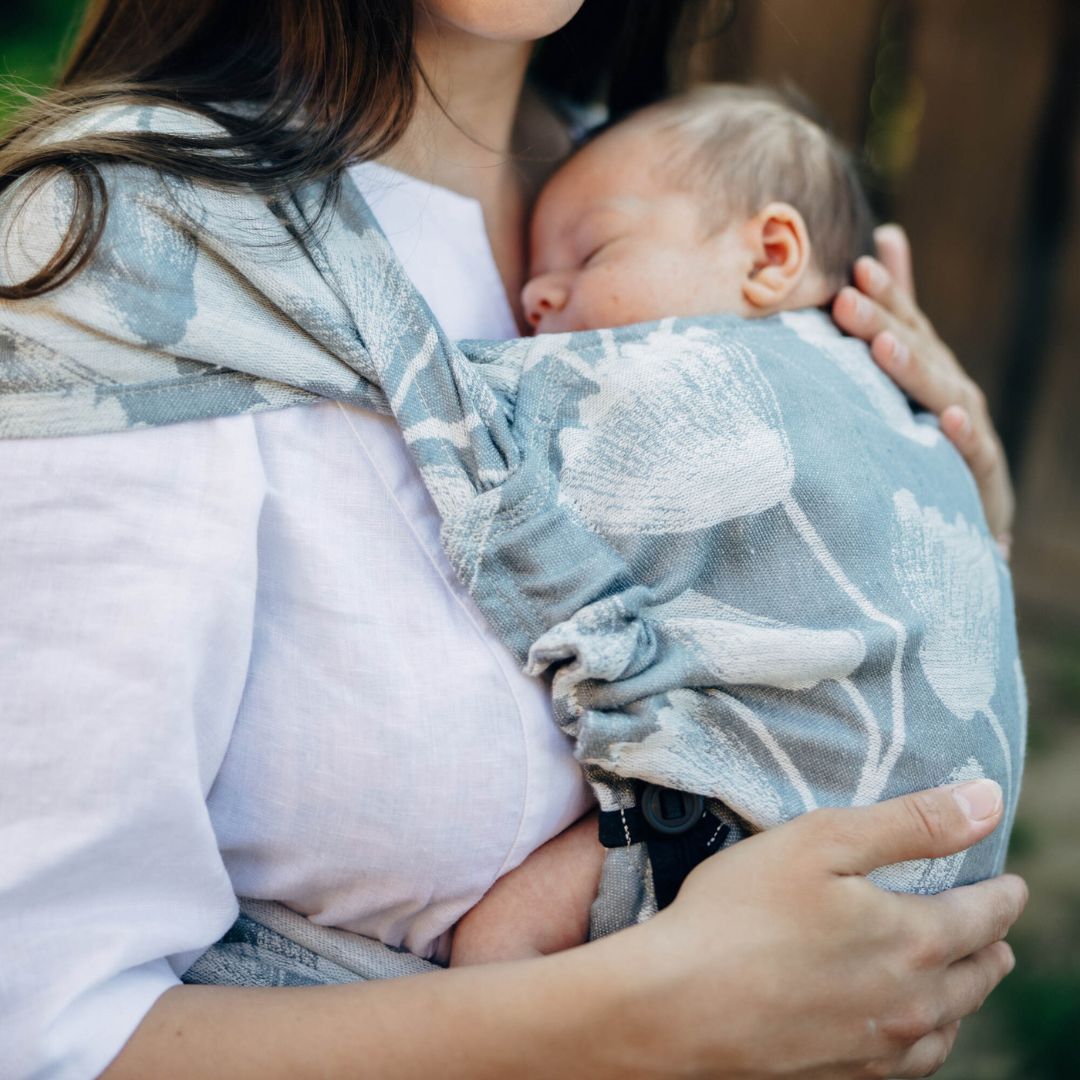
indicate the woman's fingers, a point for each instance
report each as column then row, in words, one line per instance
column 881, row 310
column 981, row 449
column 894, row 251
column 924, row 825
column 912, row 356
column 969, row 982
column 978, row 446
column 969, row 919
column 878, row 978
column 859, row 315
column 927, row 1055
column 873, row 279
column 924, row 368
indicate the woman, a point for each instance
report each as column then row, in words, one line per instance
column 193, row 709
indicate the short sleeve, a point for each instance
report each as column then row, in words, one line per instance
column 127, row 594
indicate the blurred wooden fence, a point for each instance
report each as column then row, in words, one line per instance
column 968, row 116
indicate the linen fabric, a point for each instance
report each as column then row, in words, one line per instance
column 191, row 706
column 751, row 570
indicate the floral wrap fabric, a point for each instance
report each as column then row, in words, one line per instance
column 749, row 569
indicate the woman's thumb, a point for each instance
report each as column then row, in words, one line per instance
column 923, row 825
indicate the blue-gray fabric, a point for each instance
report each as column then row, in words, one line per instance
column 270, row 945
column 749, row 569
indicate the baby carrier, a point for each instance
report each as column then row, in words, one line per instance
column 757, row 582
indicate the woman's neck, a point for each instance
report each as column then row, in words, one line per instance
column 461, row 132
column 462, row 135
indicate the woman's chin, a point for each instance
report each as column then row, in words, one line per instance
column 505, row 20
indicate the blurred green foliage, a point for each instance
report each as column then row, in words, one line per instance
column 1066, row 673
column 32, row 35
column 1041, row 1010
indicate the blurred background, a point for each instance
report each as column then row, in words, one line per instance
column 966, row 115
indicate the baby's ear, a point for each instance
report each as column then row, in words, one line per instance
column 781, row 246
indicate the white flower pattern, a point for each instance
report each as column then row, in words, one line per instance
column 948, row 572
column 679, row 415
column 745, row 649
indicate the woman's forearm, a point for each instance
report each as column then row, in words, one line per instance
column 526, row 1019
column 777, row 957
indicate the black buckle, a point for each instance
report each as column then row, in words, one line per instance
column 676, row 830
column 670, row 812
column 661, row 812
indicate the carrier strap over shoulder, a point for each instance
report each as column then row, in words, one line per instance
column 732, row 594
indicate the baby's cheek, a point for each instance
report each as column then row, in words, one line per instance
column 605, row 298
column 650, row 287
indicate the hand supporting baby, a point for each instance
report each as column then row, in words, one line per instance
column 540, row 907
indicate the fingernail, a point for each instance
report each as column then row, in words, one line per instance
column 862, row 308
column 979, row 799
column 965, row 426
column 1012, row 957
column 877, row 277
column 900, row 354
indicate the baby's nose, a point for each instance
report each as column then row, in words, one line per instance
column 543, row 295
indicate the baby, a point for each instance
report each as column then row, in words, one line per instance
column 726, row 200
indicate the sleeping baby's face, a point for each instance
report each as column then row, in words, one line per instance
column 615, row 241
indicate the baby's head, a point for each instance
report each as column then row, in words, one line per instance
column 727, row 199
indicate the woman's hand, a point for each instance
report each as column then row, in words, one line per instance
column 882, row 311
column 779, row 958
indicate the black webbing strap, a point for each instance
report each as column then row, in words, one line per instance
column 673, row 857
column 622, row 828
column 672, row 854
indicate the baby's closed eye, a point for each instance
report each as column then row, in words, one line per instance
column 603, row 248
column 597, row 230
column 592, row 255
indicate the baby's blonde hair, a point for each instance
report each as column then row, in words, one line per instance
column 744, row 147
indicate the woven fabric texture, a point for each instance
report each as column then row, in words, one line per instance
column 749, row 568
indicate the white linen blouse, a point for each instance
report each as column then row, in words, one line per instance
column 234, row 660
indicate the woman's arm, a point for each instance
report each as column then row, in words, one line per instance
column 882, row 311
column 127, row 577
column 777, row 958
column 128, row 584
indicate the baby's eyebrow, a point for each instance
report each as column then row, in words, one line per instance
column 623, row 207
column 599, row 214
column 573, row 232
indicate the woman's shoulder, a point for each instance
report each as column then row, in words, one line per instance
column 161, row 303
column 38, row 210
column 133, row 118
column 192, row 299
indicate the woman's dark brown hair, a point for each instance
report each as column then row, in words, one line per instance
column 345, row 66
